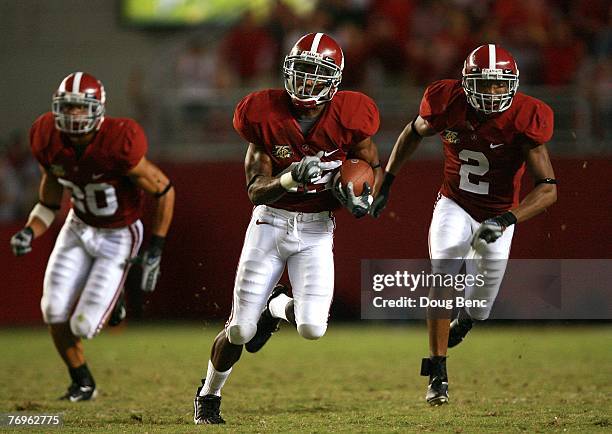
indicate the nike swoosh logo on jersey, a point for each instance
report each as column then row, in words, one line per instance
column 327, row 154
column 258, row 222
column 493, row 146
column 97, row 176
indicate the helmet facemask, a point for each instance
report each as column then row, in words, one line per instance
column 77, row 123
column 310, row 79
column 475, row 83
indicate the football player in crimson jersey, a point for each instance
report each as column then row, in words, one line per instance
column 489, row 132
column 297, row 138
column 102, row 162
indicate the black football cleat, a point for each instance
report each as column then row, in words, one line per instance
column 437, row 390
column 267, row 324
column 76, row 393
column 459, row 328
column 207, row 409
column 119, row 312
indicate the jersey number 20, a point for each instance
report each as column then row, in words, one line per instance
column 97, row 199
column 480, row 187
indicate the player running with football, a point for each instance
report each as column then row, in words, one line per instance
column 102, row 161
column 489, row 131
column 297, row 138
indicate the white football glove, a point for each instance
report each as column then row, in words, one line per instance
column 150, row 261
column 488, row 232
column 21, row 242
column 308, row 169
column 357, row 205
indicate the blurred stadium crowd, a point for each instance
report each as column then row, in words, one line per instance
column 391, row 47
column 410, row 42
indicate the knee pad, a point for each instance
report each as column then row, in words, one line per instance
column 81, row 327
column 240, row 334
column 51, row 314
column 311, row 331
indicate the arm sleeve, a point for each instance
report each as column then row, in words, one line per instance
column 369, row 121
column 134, row 146
column 241, row 122
column 359, row 114
column 433, row 105
column 541, row 124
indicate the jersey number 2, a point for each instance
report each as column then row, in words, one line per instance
column 97, row 199
column 480, row 187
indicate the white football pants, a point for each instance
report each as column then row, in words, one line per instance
column 275, row 237
column 450, row 234
column 85, row 274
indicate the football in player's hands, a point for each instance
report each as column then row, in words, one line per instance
column 358, row 172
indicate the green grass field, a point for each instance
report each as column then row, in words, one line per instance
column 355, row 379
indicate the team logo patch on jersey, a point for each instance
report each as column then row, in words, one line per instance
column 57, row 170
column 282, row 151
column 451, row 136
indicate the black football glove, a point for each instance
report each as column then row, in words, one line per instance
column 21, row 242
column 380, row 202
column 491, row 230
column 150, row 261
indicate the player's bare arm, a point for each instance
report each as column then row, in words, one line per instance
column 151, row 179
column 263, row 188
column 366, row 150
column 50, row 197
column 408, row 142
column 545, row 192
column 41, row 216
column 405, row 145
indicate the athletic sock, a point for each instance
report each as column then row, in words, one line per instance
column 214, row 381
column 278, row 306
column 81, row 375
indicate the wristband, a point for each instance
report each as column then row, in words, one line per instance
column 287, row 181
column 43, row 213
column 387, row 181
column 157, row 242
column 506, row 219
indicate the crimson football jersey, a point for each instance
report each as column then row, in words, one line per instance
column 265, row 118
column 484, row 160
column 102, row 193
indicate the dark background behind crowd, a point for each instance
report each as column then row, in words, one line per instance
column 183, row 90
